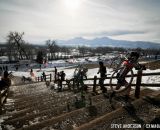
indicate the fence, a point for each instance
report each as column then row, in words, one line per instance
column 4, row 93
column 71, row 83
column 3, row 97
column 44, row 78
column 94, row 80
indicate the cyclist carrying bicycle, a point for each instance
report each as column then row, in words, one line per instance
column 79, row 74
column 127, row 65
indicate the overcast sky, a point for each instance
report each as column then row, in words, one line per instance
column 64, row 19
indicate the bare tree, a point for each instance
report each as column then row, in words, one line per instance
column 53, row 48
column 15, row 46
column 30, row 50
column 2, row 52
column 83, row 50
column 65, row 50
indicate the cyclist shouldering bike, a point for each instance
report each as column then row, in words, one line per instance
column 127, row 65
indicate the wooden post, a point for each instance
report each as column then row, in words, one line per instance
column 38, row 79
column 60, row 84
column 50, row 77
column 3, row 97
column 94, row 83
column 41, row 78
column 45, row 77
column 138, row 83
column 55, row 74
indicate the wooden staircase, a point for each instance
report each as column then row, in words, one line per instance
column 36, row 107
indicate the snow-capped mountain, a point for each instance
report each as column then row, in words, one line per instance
column 105, row 41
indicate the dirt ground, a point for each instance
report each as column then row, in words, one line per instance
column 149, row 65
column 153, row 65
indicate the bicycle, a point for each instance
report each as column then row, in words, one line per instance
column 80, row 73
column 123, row 72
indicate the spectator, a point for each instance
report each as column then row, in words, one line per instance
column 62, row 75
column 102, row 71
column 44, row 76
column 62, row 78
column 32, row 75
column 16, row 67
column 5, row 81
column 55, row 73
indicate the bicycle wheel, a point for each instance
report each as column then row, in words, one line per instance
column 128, row 78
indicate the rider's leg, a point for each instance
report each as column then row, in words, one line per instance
column 100, row 82
column 128, row 88
column 121, row 82
column 118, row 86
column 104, row 90
column 127, row 95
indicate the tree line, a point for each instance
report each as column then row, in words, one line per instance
column 18, row 49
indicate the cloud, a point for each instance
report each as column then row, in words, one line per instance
column 121, row 32
column 43, row 19
column 113, row 33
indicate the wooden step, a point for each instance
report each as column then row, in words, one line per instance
column 40, row 108
column 137, row 112
column 20, row 116
column 41, row 100
column 83, row 116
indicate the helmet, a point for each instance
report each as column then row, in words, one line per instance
column 134, row 55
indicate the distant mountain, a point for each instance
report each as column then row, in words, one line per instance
column 105, row 41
